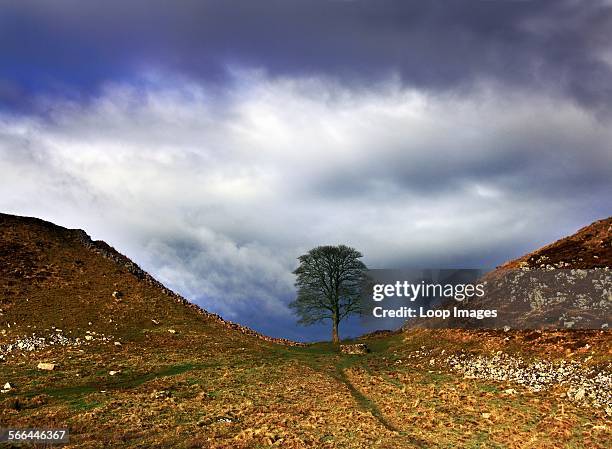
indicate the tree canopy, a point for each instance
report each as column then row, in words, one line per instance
column 328, row 282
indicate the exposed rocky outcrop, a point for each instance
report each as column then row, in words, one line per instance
column 37, row 342
column 580, row 381
column 564, row 285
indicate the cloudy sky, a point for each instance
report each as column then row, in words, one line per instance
column 213, row 142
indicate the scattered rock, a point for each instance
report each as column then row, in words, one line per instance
column 586, row 383
column 359, row 348
column 155, row 322
column 117, row 295
column 486, row 415
column 6, row 388
column 206, row 421
column 113, row 373
column 577, row 395
column 172, row 331
column 162, row 394
column 117, row 343
column 46, row 366
column 35, row 343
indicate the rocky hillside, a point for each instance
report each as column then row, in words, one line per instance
column 567, row 284
column 56, row 278
column 93, row 344
column 564, row 285
column 590, row 247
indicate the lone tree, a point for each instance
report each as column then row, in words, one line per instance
column 329, row 281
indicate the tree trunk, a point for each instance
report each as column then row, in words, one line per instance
column 335, row 337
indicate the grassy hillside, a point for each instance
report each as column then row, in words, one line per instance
column 52, row 277
column 210, row 384
column 191, row 392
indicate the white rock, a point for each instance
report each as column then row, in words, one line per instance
column 172, row 331
column 46, row 366
column 579, row 396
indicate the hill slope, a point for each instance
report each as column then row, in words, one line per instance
column 567, row 284
column 590, row 247
column 130, row 383
column 53, row 277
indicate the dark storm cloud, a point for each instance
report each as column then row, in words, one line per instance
column 218, row 198
column 546, row 164
column 73, row 46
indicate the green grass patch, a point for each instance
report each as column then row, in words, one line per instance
column 489, row 388
column 436, row 378
column 82, row 404
column 74, row 394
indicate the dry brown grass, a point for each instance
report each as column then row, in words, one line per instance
column 212, row 387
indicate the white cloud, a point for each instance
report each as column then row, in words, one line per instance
column 217, row 192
